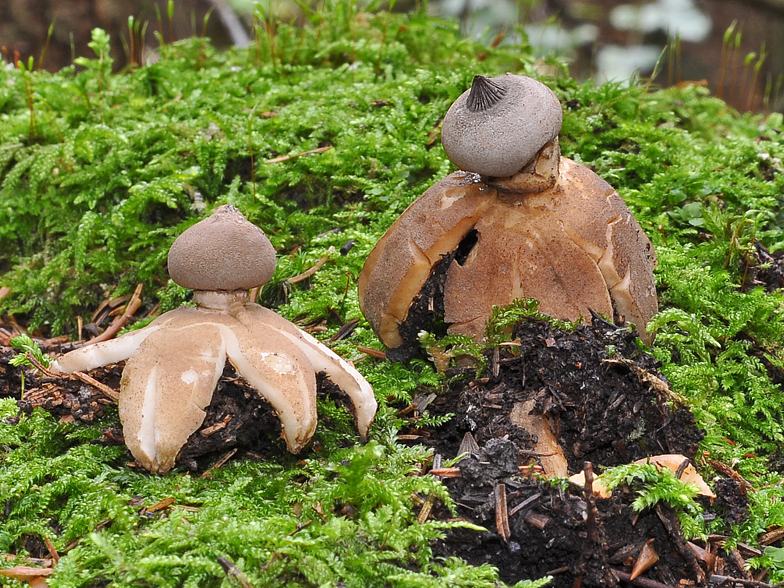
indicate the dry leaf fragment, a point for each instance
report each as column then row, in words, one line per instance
column 671, row 461
column 36, row 577
column 645, row 560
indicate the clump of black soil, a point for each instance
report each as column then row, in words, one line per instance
column 603, row 395
column 763, row 268
column 607, row 404
column 565, row 532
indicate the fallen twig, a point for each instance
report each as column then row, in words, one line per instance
column 643, row 582
column 728, row 472
column 158, row 506
column 133, row 305
column 207, row 431
column 208, row 474
column 316, row 267
column 52, row 551
column 772, row 536
column 287, row 157
column 501, row 514
column 372, row 352
column 590, row 498
column 445, row 472
column 232, row 571
column 524, row 503
column 110, row 393
column 427, row 507
column 344, row 331
column 103, row 388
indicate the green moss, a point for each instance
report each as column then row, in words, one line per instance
column 105, row 170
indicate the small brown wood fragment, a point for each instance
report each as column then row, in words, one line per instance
column 728, row 472
column 118, row 323
column 208, row 474
column 772, row 536
column 294, row 156
column 427, row 508
column 377, row 353
column 100, row 386
column 537, row 520
column 52, row 550
column 344, row 331
column 446, row 472
column 642, row 582
column 158, row 506
column 501, row 514
column 738, row 560
column 590, row 499
column 300, row 526
column 749, row 550
column 560, row 570
column 232, row 571
column 427, row 505
column 524, row 503
column 316, row 267
column 108, row 306
column 207, row 431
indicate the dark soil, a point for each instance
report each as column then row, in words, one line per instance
column 609, row 404
column 763, row 268
column 566, row 533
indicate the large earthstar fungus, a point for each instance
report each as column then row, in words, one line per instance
column 517, row 221
column 175, row 362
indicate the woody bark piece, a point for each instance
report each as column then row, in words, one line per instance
column 549, row 450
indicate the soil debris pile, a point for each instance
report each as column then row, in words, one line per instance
column 599, row 399
column 600, row 394
column 537, row 529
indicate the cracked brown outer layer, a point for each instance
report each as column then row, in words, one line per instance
column 573, row 247
column 399, row 265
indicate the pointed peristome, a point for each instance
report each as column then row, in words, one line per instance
column 484, row 94
column 497, row 127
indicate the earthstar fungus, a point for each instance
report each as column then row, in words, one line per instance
column 518, row 221
column 175, row 362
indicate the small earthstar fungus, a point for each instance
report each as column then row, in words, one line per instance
column 517, row 221
column 175, row 362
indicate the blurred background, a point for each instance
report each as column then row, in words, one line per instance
column 734, row 47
